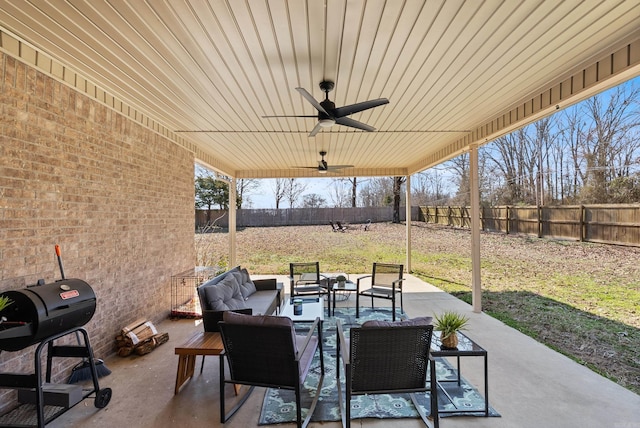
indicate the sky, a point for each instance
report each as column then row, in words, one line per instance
column 264, row 197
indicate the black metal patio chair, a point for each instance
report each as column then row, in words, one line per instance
column 386, row 282
column 305, row 280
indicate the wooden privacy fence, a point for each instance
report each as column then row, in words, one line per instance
column 608, row 224
column 302, row 216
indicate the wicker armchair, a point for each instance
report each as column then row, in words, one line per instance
column 265, row 351
column 387, row 358
column 386, row 282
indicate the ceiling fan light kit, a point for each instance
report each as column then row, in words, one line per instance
column 329, row 114
column 326, row 123
column 323, row 167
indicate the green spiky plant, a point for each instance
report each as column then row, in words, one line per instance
column 4, row 302
column 449, row 322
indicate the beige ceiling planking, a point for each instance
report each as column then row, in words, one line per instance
column 367, row 35
column 241, row 49
column 334, row 21
column 413, row 86
column 403, row 41
column 466, row 56
column 146, row 62
column 315, row 19
column 215, row 69
column 493, row 75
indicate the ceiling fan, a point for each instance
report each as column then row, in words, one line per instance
column 323, row 167
column 328, row 114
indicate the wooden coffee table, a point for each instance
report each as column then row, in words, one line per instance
column 201, row 343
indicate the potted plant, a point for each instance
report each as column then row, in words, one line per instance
column 4, row 302
column 448, row 323
column 341, row 280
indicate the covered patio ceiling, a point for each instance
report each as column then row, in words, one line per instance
column 203, row 73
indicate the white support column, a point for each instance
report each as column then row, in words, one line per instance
column 232, row 223
column 476, row 286
column 408, row 221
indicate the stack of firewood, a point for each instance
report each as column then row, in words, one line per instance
column 140, row 337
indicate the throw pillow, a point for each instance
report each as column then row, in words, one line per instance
column 247, row 287
column 225, row 295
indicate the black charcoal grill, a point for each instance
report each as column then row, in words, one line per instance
column 42, row 314
column 42, row 311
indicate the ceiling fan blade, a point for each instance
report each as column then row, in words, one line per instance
column 312, row 100
column 315, row 130
column 354, row 108
column 315, row 116
column 330, row 167
column 347, row 121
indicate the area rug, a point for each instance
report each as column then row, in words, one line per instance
column 279, row 405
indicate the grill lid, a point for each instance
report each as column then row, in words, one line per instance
column 45, row 310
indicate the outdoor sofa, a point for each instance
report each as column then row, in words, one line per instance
column 234, row 290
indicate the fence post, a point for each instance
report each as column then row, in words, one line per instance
column 508, row 220
column 539, row 221
column 583, row 231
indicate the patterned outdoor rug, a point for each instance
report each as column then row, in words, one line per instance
column 279, row 405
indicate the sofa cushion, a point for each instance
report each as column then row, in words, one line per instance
column 247, row 287
column 409, row 322
column 263, row 302
column 224, row 295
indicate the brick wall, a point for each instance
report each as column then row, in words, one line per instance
column 116, row 197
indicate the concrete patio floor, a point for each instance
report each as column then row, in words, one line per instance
column 530, row 385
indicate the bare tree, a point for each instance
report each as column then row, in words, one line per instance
column 428, row 188
column 245, row 186
column 292, row 190
column 610, row 142
column 570, row 136
column 397, row 191
column 377, row 192
column 460, row 167
column 279, row 190
column 354, row 190
column 340, row 192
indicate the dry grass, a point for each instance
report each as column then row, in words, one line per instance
column 581, row 299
